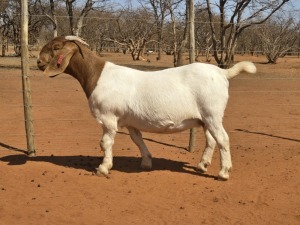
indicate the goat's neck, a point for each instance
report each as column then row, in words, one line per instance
column 86, row 68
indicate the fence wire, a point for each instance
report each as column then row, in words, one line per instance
column 46, row 139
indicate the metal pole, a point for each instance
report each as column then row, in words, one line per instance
column 192, row 58
column 26, row 80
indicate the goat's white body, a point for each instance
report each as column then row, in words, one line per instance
column 163, row 101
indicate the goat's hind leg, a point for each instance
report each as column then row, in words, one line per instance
column 137, row 138
column 217, row 130
column 208, row 152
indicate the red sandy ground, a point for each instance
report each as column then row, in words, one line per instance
column 59, row 186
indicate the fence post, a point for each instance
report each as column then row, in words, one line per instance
column 192, row 58
column 26, row 80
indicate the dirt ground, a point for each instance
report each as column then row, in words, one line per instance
column 59, row 186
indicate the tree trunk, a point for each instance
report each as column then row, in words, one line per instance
column 221, row 60
column 184, row 42
column 78, row 28
column 175, row 59
column 3, row 47
column 69, row 6
column 53, row 18
column 79, row 25
column 159, row 45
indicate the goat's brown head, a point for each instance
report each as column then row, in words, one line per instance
column 55, row 55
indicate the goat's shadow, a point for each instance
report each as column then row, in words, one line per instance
column 269, row 135
column 121, row 163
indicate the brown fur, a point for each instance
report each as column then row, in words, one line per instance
column 71, row 57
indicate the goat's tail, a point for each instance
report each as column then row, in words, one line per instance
column 246, row 66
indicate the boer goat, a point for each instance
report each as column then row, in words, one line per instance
column 165, row 101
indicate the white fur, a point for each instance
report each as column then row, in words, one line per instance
column 164, row 101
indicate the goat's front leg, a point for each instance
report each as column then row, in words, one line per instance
column 137, row 138
column 106, row 144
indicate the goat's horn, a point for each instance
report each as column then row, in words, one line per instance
column 75, row 38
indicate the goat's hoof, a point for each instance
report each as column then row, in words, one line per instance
column 146, row 165
column 223, row 176
column 202, row 167
column 102, row 171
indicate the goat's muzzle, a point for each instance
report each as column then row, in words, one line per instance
column 42, row 66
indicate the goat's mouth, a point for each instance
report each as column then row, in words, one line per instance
column 41, row 66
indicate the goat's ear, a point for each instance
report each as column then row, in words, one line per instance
column 59, row 62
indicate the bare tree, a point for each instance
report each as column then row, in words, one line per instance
column 174, row 34
column 172, row 7
column 202, row 33
column 10, row 23
column 98, row 30
column 133, row 37
column 76, row 26
column 3, row 26
column 241, row 15
column 51, row 15
column 278, row 37
column 184, row 41
column 249, row 42
column 160, row 10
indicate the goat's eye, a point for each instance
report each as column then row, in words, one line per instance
column 56, row 47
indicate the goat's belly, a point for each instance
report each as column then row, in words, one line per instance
column 163, row 126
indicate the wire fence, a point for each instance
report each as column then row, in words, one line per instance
column 65, row 131
column 119, row 49
column 62, row 127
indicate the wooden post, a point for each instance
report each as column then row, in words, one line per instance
column 26, row 80
column 192, row 58
column 191, row 31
